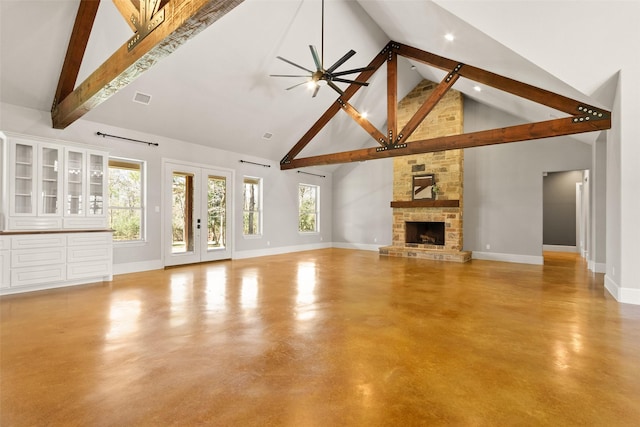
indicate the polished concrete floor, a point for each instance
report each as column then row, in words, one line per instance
column 325, row 338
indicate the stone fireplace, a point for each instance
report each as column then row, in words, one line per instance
column 429, row 228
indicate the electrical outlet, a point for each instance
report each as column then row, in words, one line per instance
column 488, row 246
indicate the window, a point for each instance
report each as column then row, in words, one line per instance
column 252, row 208
column 308, row 208
column 126, row 199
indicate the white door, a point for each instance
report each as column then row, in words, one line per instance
column 197, row 215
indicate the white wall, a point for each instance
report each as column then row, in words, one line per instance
column 503, row 187
column 280, row 187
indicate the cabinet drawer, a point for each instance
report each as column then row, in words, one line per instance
column 37, row 257
column 35, row 223
column 85, row 223
column 89, row 239
column 81, row 270
column 38, row 241
column 37, row 275
column 88, row 253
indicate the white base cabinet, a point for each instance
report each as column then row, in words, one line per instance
column 44, row 260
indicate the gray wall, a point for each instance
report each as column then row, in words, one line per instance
column 362, row 215
column 503, row 185
column 559, row 207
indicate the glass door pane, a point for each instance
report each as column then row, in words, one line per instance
column 75, row 173
column 182, row 230
column 96, row 184
column 24, row 180
column 49, row 180
column 216, row 212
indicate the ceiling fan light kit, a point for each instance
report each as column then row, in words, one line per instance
column 328, row 75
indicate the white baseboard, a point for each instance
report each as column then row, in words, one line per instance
column 560, row 248
column 360, row 246
column 623, row 295
column 279, row 250
column 521, row 259
column 135, row 267
column 597, row 267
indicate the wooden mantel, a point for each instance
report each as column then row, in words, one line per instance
column 426, row 204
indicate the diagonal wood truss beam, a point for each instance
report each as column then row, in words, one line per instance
column 583, row 117
column 181, row 20
column 86, row 15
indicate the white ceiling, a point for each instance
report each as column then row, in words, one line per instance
column 215, row 90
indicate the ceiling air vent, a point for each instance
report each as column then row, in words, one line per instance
column 142, row 98
column 267, row 135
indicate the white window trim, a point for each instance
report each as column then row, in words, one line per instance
column 260, row 207
column 143, row 202
column 317, row 230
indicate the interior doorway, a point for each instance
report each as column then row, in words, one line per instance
column 566, row 220
column 197, row 221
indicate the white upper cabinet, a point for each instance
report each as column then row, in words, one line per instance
column 53, row 186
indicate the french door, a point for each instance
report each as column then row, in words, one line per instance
column 197, row 222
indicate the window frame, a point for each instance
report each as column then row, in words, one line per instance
column 316, row 211
column 253, row 180
column 142, row 167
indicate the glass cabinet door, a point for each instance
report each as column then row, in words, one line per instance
column 96, row 184
column 75, row 176
column 49, row 183
column 23, row 179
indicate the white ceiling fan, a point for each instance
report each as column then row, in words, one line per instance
column 328, row 75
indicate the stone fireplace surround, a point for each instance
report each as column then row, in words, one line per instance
column 447, row 166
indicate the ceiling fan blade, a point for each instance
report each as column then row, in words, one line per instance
column 334, row 87
column 351, row 81
column 294, row 64
column 316, row 58
column 315, row 91
column 355, row 70
column 286, row 75
column 299, row 84
column 341, row 61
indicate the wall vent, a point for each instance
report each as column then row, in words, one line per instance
column 142, row 98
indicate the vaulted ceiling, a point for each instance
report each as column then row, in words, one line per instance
column 215, row 90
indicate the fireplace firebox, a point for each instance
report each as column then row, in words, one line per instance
column 424, row 233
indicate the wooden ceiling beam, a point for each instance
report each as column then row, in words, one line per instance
column 128, row 10
column 392, row 96
column 85, row 17
column 525, row 132
column 506, row 84
column 333, row 109
column 183, row 19
column 428, row 105
column 584, row 117
column 363, row 122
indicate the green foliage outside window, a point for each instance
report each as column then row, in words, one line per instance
column 308, row 208
column 125, row 200
column 251, row 207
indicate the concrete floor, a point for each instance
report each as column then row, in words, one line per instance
column 325, row 338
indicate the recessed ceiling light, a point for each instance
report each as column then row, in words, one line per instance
column 477, row 88
column 364, row 114
column 449, row 37
column 267, row 135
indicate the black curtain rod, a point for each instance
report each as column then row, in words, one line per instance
column 126, row 139
column 254, row 163
column 314, row 174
